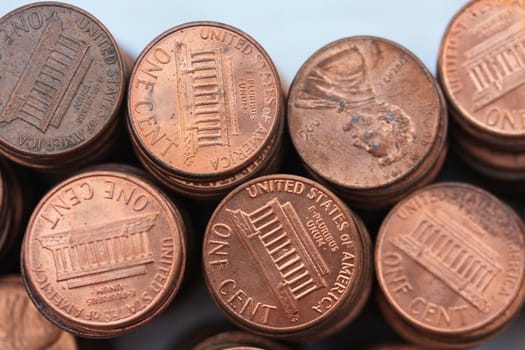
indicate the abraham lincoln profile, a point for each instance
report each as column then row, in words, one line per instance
column 340, row 82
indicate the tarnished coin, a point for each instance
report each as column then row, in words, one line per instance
column 62, row 80
column 284, row 257
column 104, row 252
column 364, row 112
column 450, row 263
column 22, row 326
column 480, row 67
column 204, row 99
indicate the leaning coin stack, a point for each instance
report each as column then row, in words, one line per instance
column 481, row 73
column 368, row 120
column 450, row 262
column 205, row 109
column 11, row 210
column 284, row 257
column 62, row 87
column 104, row 252
column 22, row 326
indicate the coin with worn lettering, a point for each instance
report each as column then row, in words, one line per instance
column 284, row 257
column 22, row 326
column 104, row 252
column 62, row 80
column 364, row 112
column 480, row 67
column 204, row 99
column 450, row 263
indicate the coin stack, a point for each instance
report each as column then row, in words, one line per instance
column 22, row 326
column 285, row 258
column 208, row 116
column 480, row 72
column 11, row 210
column 62, row 87
column 104, row 252
column 450, row 261
column 368, row 120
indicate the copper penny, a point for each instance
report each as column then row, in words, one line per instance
column 62, row 80
column 282, row 256
column 104, row 252
column 480, row 66
column 363, row 112
column 21, row 324
column 239, row 341
column 204, row 99
column 449, row 260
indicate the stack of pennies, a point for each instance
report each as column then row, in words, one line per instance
column 480, row 66
column 63, row 82
column 450, row 262
column 11, row 209
column 104, row 252
column 368, row 120
column 205, row 109
column 22, row 326
column 285, row 258
column 237, row 340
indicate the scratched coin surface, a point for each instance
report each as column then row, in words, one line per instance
column 449, row 259
column 62, row 79
column 21, row 324
column 363, row 112
column 482, row 66
column 282, row 254
column 104, row 251
column 204, row 99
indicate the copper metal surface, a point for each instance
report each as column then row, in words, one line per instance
column 449, row 260
column 480, row 67
column 238, row 340
column 62, row 84
column 104, row 252
column 204, row 100
column 364, row 112
column 284, row 257
column 22, row 326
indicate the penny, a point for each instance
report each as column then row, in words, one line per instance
column 449, row 260
column 480, row 67
column 284, row 257
column 22, row 326
column 104, row 252
column 238, row 340
column 204, row 99
column 62, row 83
column 363, row 112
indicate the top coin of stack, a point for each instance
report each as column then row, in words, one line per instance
column 62, row 84
column 205, row 109
column 368, row 120
column 481, row 68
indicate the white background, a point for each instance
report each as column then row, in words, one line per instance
column 290, row 31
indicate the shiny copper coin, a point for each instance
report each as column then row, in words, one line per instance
column 21, row 324
column 204, row 99
column 284, row 257
column 62, row 82
column 104, row 252
column 480, row 67
column 363, row 112
column 449, row 260
column 238, row 340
